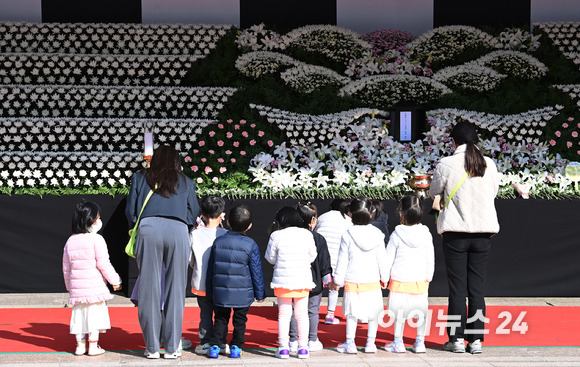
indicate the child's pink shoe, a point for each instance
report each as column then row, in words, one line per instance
column 331, row 320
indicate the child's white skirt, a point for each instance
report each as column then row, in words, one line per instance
column 363, row 305
column 89, row 317
column 405, row 305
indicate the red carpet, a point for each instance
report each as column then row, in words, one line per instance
column 47, row 329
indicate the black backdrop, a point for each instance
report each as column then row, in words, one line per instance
column 535, row 254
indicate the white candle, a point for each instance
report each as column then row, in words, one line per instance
column 149, row 144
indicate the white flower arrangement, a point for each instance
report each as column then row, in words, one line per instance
column 469, row 77
column 516, row 39
column 390, row 62
column 257, row 63
column 303, row 129
column 258, row 38
column 514, row 63
column 368, row 157
column 445, row 43
column 309, row 78
column 336, row 43
column 565, row 36
column 70, row 69
column 387, row 90
column 119, row 102
column 74, row 170
column 522, row 128
column 95, row 135
column 112, row 38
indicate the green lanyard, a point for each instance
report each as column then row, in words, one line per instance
column 452, row 193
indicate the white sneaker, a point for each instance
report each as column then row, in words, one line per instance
column 370, row 347
column 202, row 349
column 95, row 349
column 315, row 346
column 173, row 355
column 225, row 350
column 150, row 355
column 81, row 347
column 293, row 346
column 474, row 347
column 419, row 346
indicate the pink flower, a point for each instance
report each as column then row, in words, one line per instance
column 552, row 142
column 194, row 168
column 570, row 119
column 260, row 133
column 237, row 127
column 208, row 170
column 558, row 133
column 195, row 151
column 565, row 125
column 253, row 126
column 270, row 143
column 223, row 169
column 215, row 180
column 252, row 142
column 211, row 134
column 220, row 143
column 199, row 180
column 204, row 160
column 187, row 159
column 220, row 126
column 236, row 144
column 579, row 125
column 220, row 160
column 574, row 134
column 228, row 152
column 242, row 122
column 230, row 121
column 245, row 134
column 569, row 144
column 578, row 152
column 201, row 143
column 229, row 135
column 242, row 152
column 233, row 160
column 211, row 151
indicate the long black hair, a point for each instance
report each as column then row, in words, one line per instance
column 465, row 133
column 164, row 171
column 360, row 211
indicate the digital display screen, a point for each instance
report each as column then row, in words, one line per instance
column 405, row 126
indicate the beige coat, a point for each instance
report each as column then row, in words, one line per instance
column 472, row 208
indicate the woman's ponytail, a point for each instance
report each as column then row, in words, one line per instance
column 465, row 133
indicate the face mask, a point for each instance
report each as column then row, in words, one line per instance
column 96, row 227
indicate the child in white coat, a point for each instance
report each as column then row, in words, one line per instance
column 291, row 249
column 411, row 263
column 362, row 269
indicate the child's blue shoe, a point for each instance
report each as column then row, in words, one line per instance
column 214, row 351
column 235, row 352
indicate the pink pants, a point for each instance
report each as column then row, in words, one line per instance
column 284, row 316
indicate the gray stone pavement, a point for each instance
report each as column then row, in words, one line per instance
column 491, row 356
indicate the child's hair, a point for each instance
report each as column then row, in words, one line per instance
column 341, row 205
column 84, row 215
column 411, row 210
column 360, row 211
column 213, row 206
column 307, row 211
column 240, row 218
column 377, row 209
column 287, row 216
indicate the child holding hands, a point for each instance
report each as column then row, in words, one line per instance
column 87, row 269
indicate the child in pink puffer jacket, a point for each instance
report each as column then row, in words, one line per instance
column 86, row 269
